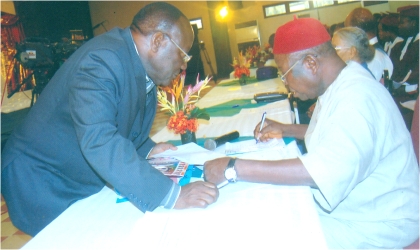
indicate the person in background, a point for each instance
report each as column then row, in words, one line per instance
column 405, row 54
column 270, row 61
column 333, row 28
column 388, row 33
column 363, row 18
column 352, row 43
column 360, row 163
column 90, row 126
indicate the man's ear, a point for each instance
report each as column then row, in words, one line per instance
column 353, row 52
column 311, row 62
column 157, row 41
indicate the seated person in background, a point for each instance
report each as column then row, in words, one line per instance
column 405, row 54
column 333, row 28
column 360, row 163
column 90, row 126
column 352, row 43
column 363, row 18
column 270, row 61
column 388, row 33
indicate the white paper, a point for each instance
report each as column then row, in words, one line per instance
column 251, row 146
column 409, row 104
column 290, row 151
column 191, row 153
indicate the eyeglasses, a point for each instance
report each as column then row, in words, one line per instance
column 186, row 58
column 283, row 77
column 337, row 48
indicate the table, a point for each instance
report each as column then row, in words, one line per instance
column 246, row 215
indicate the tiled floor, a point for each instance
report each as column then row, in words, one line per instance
column 13, row 238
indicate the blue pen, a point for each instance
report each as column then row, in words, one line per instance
column 262, row 124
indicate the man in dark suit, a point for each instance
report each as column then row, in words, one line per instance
column 90, row 126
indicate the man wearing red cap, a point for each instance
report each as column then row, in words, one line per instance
column 360, row 163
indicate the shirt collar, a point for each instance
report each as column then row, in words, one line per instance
column 149, row 82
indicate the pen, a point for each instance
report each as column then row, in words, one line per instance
column 262, row 124
column 222, row 184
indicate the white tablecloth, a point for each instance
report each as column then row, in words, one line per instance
column 246, row 215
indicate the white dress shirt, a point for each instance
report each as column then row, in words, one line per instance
column 380, row 62
column 361, row 157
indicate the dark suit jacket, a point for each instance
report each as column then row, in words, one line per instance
column 90, row 126
column 409, row 62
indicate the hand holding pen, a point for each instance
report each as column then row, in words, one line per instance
column 261, row 126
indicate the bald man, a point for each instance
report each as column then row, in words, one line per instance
column 90, row 126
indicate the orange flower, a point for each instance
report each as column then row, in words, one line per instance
column 180, row 123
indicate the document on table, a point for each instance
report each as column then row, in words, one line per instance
column 278, row 152
column 191, row 153
column 251, row 146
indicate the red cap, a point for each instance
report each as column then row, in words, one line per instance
column 299, row 34
column 409, row 11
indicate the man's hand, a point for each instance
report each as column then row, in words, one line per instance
column 214, row 170
column 197, row 194
column 270, row 130
column 161, row 147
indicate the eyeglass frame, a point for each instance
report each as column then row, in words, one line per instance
column 337, row 48
column 283, row 76
column 186, row 58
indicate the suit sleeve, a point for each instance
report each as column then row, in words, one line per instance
column 98, row 87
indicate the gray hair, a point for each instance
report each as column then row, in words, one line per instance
column 356, row 37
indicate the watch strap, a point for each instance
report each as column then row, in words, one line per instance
column 231, row 164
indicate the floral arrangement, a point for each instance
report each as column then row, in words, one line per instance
column 184, row 114
column 252, row 52
column 241, row 66
column 256, row 55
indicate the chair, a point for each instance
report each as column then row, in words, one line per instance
column 267, row 72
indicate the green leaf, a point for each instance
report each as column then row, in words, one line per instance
column 199, row 114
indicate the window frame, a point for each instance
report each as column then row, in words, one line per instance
column 311, row 6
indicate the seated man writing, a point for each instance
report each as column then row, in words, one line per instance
column 360, row 164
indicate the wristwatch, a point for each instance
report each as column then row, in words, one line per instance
column 230, row 171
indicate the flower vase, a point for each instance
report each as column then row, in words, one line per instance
column 188, row 137
column 242, row 80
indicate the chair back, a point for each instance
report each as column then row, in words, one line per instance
column 267, row 72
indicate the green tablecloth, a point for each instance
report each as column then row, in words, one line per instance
column 200, row 141
column 232, row 107
column 249, row 80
